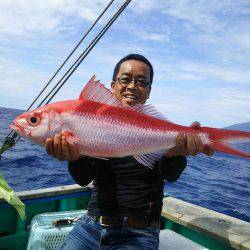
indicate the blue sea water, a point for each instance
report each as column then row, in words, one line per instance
column 220, row 183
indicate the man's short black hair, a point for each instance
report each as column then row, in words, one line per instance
column 136, row 57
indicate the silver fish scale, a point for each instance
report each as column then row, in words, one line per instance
column 103, row 134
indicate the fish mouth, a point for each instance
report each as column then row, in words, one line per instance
column 17, row 128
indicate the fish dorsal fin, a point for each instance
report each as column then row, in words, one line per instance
column 150, row 110
column 96, row 91
column 149, row 159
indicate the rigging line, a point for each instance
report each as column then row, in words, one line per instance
column 82, row 57
column 84, row 54
column 71, row 53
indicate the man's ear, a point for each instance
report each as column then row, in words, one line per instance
column 112, row 87
column 149, row 92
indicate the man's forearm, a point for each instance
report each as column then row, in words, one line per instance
column 172, row 167
column 82, row 170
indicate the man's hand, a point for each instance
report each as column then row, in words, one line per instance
column 189, row 144
column 59, row 148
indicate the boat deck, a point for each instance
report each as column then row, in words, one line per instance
column 209, row 229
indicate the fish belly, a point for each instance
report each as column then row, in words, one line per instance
column 105, row 137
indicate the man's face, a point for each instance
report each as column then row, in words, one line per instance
column 132, row 93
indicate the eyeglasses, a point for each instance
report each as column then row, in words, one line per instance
column 124, row 80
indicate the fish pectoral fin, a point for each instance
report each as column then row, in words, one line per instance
column 70, row 137
column 149, row 159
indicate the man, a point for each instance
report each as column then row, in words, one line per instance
column 126, row 202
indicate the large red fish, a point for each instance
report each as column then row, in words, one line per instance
column 101, row 127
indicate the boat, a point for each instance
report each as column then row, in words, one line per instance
column 180, row 221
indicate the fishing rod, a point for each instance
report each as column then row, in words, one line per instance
column 68, row 57
column 79, row 60
column 71, row 53
column 10, row 141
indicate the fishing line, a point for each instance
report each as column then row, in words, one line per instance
column 71, row 53
column 10, row 141
column 84, row 54
column 65, row 61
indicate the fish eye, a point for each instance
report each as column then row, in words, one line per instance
column 33, row 119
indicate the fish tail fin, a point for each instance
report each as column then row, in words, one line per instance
column 223, row 147
column 220, row 137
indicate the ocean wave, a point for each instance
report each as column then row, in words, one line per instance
column 219, row 183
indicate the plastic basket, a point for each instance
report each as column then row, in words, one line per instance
column 48, row 230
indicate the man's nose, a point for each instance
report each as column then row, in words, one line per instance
column 132, row 84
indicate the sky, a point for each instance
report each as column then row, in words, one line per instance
column 200, row 51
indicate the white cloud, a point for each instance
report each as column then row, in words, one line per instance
column 215, row 107
column 207, row 15
column 140, row 7
column 185, row 70
column 219, row 30
column 28, row 17
column 197, row 48
column 209, row 71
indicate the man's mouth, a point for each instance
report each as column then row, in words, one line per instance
column 130, row 96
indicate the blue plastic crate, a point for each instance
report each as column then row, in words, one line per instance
column 48, row 230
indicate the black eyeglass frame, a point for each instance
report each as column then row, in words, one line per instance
column 135, row 81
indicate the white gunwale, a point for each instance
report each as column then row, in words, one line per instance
column 217, row 225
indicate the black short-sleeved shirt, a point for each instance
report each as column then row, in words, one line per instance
column 122, row 186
